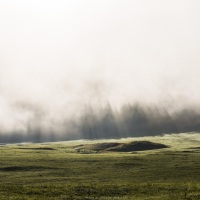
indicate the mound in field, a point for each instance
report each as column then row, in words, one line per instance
column 137, row 146
column 123, row 147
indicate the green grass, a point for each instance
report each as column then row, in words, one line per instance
column 57, row 171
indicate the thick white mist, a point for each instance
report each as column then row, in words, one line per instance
column 57, row 56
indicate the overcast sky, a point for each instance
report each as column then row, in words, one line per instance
column 57, row 54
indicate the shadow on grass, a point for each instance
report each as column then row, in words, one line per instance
column 23, row 168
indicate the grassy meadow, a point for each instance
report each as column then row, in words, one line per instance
column 79, row 170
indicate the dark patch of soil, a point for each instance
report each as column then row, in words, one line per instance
column 138, row 146
column 123, row 147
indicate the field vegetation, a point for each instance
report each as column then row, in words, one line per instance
column 159, row 167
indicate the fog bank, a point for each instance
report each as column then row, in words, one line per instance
column 92, row 69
